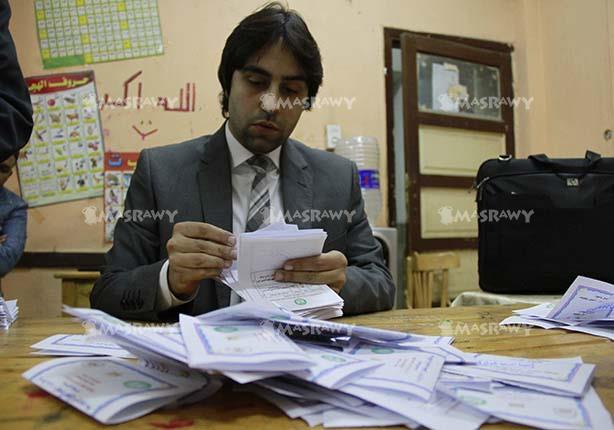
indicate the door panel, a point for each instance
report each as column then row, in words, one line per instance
column 440, row 155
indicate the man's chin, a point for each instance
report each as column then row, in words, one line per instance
column 259, row 145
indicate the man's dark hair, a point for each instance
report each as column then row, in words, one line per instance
column 262, row 29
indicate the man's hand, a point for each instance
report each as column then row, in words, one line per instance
column 3, row 239
column 328, row 268
column 197, row 251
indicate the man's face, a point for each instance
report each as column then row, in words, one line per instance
column 264, row 102
column 6, row 169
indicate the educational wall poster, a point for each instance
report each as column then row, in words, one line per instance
column 78, row 32
column 118, row 170
column 64, row 158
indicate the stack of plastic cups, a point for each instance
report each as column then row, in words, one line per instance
column 364, row 151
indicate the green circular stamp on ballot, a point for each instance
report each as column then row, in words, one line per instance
column 225, row 329
column 137, row 385
column 300, row 301
column 333, row 358
column 382, row 350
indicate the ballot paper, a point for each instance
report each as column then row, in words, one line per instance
column 243, row 346
column 315, row 413
column 587, row 307
column 586, row 300
column 406, row 372
column 566, row 376
column 150, row 342
column 441, row 412
column 379, row 377
column 292, row 322
column 334, row 369
column 8, row 312
column 296, row 388
column 112, row 390
column 262, row 252
column 540, row 410
column 80, row 345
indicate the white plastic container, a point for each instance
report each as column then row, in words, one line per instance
column 364, row 151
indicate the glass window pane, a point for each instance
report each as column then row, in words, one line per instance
column 456, row 87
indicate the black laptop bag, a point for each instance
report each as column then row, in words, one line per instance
column 543, row 221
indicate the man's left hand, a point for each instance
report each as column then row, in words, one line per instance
column 328, row 268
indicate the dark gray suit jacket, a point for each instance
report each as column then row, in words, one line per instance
column 194, row 178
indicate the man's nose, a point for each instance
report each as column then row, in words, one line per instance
column 269, row 101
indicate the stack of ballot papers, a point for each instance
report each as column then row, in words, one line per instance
column 8, row 312
column 261, row 253
column 586, row 307
column 325, row 373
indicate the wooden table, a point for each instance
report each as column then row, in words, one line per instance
column 24, row 406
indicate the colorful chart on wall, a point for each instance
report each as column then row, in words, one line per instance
column 64, row 158
column 118, row 170
column 78, row 32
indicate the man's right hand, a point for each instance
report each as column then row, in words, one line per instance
column 197, row 251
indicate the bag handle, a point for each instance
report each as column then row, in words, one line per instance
column 590, row 159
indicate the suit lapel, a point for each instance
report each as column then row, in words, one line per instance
column 215, row 188
column 296, row 185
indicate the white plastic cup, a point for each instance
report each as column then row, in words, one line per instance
column 364, row 151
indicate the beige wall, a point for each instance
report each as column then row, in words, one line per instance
column 547, row 36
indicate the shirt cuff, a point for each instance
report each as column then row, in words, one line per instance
column 166, row 299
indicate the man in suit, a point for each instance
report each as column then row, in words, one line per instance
column 15, row 108
column 232, row 181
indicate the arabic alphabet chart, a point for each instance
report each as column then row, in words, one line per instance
column 64, row 158
column 118, row 170
column 78, row 32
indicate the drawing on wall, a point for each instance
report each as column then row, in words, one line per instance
column 64, row 158
column 184, row 102
column 118, row 170
column 78, row 32
column 141, row 131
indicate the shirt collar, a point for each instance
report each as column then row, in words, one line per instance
column 240, row 154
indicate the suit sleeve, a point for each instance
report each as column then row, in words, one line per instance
column 128, row 285
column 14, row 228
column 15, row 107
column 369, row 286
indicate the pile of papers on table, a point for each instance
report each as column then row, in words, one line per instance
column 586, row 307
column 8, row 312
column 327, row 373
column 262, row 252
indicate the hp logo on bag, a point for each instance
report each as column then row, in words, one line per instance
column 573, row 182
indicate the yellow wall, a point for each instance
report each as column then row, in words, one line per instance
column 350, row 35
column 547, row 35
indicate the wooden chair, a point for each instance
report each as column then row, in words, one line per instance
column 419, row 293
column 76, row 287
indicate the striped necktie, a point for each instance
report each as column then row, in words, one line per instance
column 259, row 199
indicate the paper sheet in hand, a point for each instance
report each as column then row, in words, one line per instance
column 263, row 252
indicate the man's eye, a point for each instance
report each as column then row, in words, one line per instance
column 290, row 91
column 256, row 82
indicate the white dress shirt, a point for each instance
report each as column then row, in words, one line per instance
column 242, row 177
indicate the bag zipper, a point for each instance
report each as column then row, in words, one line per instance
column 480, row 187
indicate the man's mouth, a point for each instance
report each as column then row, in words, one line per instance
column 265, row 126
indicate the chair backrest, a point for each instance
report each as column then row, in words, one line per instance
column 419, row 290
column 435, row 261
